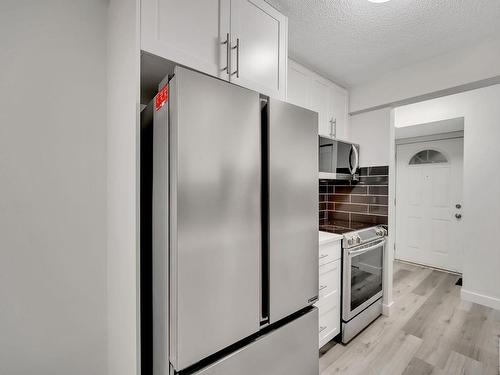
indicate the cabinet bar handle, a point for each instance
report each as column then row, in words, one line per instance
column 322, row 256
column 322, row 287
column 237, row 48
column 228, row 52
column 333, row 125
column 321, row 329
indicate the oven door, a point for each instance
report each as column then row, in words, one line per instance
column 362, row 277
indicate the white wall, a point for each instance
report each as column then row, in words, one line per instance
column 53, row 187
column 481, row 203
column 371, row 130
column 123, row 238
column 452, row 125
column 444, row 72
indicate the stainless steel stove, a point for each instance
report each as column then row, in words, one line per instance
column 362, row 270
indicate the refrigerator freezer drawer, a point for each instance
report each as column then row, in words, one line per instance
column 293, row 208
column 289, row 350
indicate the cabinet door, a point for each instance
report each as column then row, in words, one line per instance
column 188, row 32
column 298, row 85
column 319, row 102
column 259, row 47
column 338, row 110
column 329, row 301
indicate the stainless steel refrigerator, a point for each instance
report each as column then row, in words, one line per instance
column 234, row 230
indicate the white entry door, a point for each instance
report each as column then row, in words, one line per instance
column 429, row 203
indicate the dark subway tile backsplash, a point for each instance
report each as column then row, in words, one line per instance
column 338, row 198
column 375, row 171
column 356, row 204
column 351, row 189
column 378, row 171
column 373, row 180
column 379, row 210
column 347, row 207
column 370, row 199
column 370, row 220
column 378, row 190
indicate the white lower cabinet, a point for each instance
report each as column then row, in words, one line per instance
column 329, row 324
column 329, row 289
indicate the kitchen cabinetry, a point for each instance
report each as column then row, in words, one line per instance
column 241, row 41
column 259, row 34
column 310, row 90
column 329, row 286
column 338, row 110
column 188, row 32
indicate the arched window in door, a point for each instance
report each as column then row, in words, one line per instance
column 428, row 157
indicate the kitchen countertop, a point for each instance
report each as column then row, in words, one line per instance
column 325, row 237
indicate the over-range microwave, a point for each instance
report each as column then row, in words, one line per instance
column 338, row 160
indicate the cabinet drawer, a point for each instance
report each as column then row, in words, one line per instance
column 329, row 319
column 329, row 252
column 329, row 279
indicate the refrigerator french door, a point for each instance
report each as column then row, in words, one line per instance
column 234, row 198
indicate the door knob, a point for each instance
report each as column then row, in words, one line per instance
column 458, row 206
column 458, row 216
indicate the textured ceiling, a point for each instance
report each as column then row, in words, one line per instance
column 354, row 41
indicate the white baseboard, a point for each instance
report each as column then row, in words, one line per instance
column 387, row 309
column 481, row 299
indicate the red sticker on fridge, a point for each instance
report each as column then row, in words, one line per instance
column 161, row 98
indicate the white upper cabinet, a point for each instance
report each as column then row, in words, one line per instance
column 188, row 32
column 319, row 101
column 338, row 110
column 308, row 89
column 194, row 33
column 298, row 85
column 259, row 47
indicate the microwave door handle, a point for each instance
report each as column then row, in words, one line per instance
column 361, row 251
column 356, row 154
column 350, row 164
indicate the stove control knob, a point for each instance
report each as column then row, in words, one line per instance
column 358, row 239
column 350, row 241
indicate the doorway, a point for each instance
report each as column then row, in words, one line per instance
column 429, row 203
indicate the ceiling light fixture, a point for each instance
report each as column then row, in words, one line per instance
column 378, row 1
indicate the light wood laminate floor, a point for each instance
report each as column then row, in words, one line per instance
column 430, row 331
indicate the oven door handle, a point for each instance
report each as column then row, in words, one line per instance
column 361, row 251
